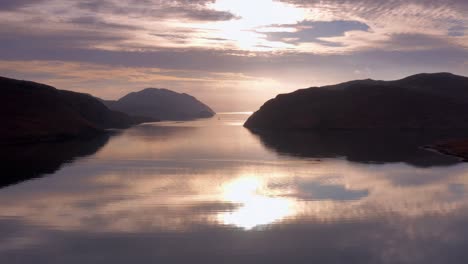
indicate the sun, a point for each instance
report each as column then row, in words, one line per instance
column 245, row 31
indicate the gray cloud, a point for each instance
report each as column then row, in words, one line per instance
column 312, row 31
column 383, row 62
column 97, row 23
column 458, row 30
column 6, row 5
column 192, row 10
column 202, row 14
column 174, row 38
column 421, row 11
column 68, row 41
column 415, row 42
column 378, row 4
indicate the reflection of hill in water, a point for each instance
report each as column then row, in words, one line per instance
column 23, row 162
column 359, row 146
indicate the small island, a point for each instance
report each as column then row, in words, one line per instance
column 161, row 104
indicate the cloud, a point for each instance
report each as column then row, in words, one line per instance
column 404, row 15
column 435, row 55
column 6, row 5
column 416, row 42
column 312, row 31
column 57, row 40
column 97, row 23
column 329, row 26
column 182, row 9
column 379, row 6
column 180, row 38
column 457, row 30
column 435, row 19
column 145, row 24
column 195, row 13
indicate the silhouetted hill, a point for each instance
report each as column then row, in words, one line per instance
column 441, row 84
column 35, row 112
column 161, row 103
column 454, row 147
column 423, row 101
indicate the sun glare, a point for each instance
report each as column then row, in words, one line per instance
column 263, row 12
column 245, row 31
column 257, row 207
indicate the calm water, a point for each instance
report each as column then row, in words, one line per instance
column 213, row 192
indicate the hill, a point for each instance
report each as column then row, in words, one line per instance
column 423, row 101
column 37, row 112
column 162, row 104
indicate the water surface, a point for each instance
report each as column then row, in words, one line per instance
column 210, row 191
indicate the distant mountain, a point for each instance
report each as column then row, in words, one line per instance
column 422, row 101
column 36, row 112
column 163, row 104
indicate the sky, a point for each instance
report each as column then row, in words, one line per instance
column 231, row 54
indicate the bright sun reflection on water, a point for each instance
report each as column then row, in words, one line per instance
column 257, row 207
